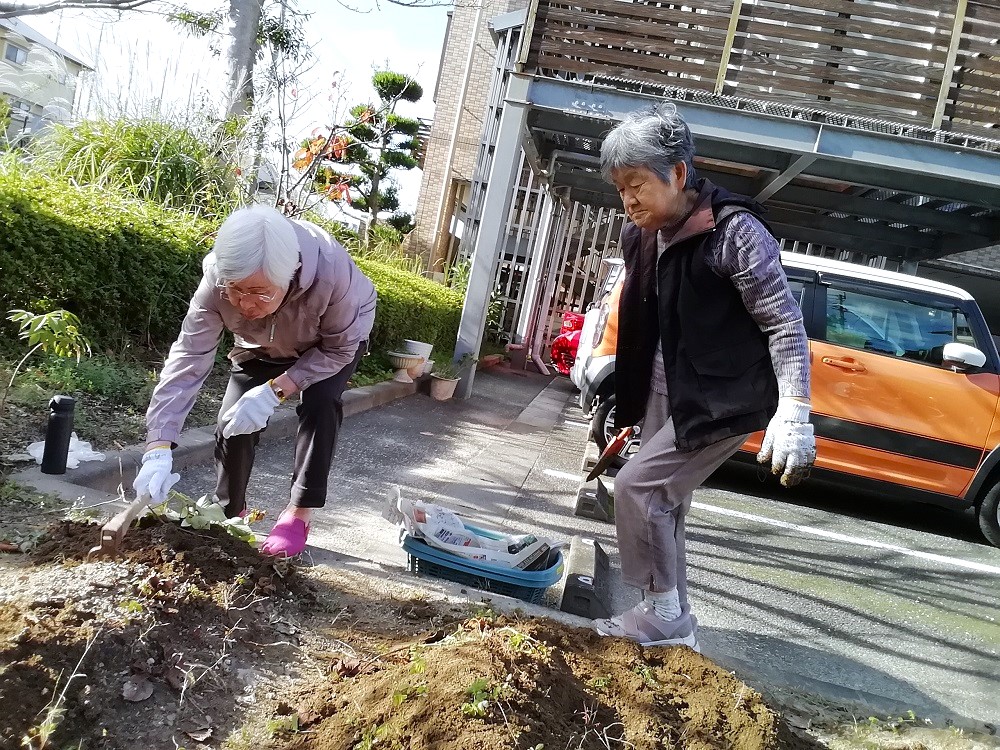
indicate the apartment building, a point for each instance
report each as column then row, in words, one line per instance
column 39, row 78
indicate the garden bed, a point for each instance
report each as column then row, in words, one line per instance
column 191, row 639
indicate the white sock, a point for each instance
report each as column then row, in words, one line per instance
column 666, row 604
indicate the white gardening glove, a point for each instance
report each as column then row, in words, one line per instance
column 789, row 443
column 154, row 478
column 251, row 412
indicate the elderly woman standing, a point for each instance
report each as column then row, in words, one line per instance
column 711, row 348
column 301, row 313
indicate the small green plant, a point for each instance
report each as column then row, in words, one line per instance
column 523, row 643
column 453, row 370
column 447, row 370
column 56, row 332
column 646, row 673
column 404, row 693
column 283, row 725
column 39, row 735
column 418, row 665
column 599, row 683
column 483, row 694
column 372, row 737
column 457, row 276
column 202, row 514
column 484, row 613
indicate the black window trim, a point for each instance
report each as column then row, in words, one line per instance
column 810, row 319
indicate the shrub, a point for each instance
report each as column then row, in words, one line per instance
column 147, row 159
column 411, row 307
column 127, row 268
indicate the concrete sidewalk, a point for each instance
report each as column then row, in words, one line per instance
column 508, row 455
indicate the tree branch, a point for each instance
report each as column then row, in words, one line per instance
column 14, row 8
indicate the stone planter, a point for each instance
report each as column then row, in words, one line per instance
column 443, row 389
column 518, row 356
column 421, row 349
column 402, row 362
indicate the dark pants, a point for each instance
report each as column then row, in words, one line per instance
column 321, row 412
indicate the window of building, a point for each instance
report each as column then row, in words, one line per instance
column 13, row 53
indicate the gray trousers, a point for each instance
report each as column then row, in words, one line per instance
column 652, row 497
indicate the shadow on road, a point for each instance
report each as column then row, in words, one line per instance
column 851, row 502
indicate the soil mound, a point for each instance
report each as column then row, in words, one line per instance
column 497, row 684
column 190, row 638
column 210, row 555
column 111, row 651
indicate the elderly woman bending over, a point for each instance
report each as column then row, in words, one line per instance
column 301, row 313
column 711, row 348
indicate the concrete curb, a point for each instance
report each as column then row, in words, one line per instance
column 197, row 446
column 585, row 585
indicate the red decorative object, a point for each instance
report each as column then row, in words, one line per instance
column 567, row 343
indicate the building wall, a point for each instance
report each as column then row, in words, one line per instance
column 452, row 77
column 45, row 80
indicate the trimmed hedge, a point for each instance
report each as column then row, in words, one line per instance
column 411, row 307
column 128, row 268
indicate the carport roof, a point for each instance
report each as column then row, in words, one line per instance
column 854, row 183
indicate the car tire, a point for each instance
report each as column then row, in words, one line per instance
column 602, row 427
column 989, row 515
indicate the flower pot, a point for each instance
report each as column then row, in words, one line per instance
column 443, row 389
column 420, row 348
column 401, row 362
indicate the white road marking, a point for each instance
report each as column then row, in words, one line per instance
column 967, row 564
column 562, row 475
column 574, row 423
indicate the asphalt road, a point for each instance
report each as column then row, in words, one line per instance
column 847, row 596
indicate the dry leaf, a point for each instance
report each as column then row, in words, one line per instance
column 200, row 735
column 347, row 667
column 175, row 678
column 137, row 689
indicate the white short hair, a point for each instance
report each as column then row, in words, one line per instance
column 254, row 239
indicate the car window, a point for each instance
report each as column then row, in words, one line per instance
column 896, row 327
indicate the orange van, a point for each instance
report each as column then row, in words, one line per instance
column 905, row 384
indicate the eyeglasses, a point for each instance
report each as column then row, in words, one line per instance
column 236, row 296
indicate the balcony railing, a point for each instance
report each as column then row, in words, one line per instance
column 930, row 63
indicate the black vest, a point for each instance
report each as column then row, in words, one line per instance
column 719, row 374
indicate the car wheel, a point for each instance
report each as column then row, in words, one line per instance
column 602, row 428
column 989, row 515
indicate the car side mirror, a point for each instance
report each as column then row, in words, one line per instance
column 962, row 357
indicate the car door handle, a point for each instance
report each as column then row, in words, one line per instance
column 845, row 364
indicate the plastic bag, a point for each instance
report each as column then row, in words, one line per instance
column 445, row 530
column 78, row 451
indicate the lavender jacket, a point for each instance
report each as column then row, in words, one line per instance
column 329, row 311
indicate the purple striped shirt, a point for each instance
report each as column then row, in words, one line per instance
column 746, row 253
